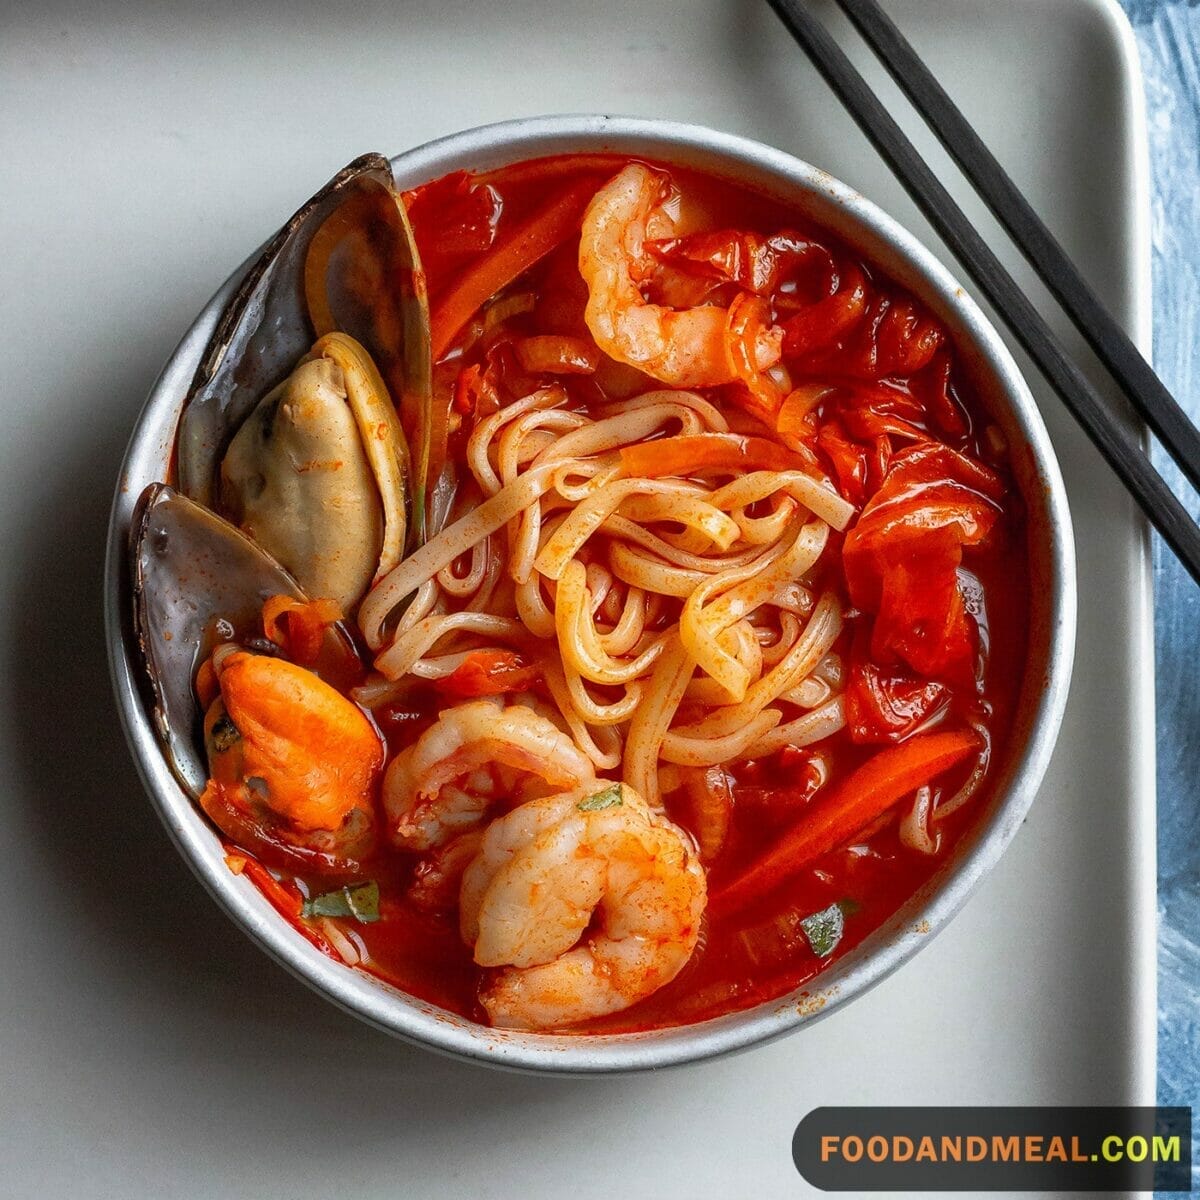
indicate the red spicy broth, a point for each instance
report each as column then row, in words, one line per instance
column 894, row 383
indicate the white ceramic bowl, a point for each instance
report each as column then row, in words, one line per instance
column 998, row 383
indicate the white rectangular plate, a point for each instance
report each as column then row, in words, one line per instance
column 147, row 1048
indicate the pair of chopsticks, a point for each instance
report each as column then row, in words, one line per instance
column 1144, row 390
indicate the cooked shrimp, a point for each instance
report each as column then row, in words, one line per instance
column 587, row 902
column 682, row 347
column 501, row 841
column 293, row 763
column 473, row 756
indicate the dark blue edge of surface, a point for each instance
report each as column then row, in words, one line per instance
column 1168, row 38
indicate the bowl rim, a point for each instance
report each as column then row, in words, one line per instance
column 417, row 1021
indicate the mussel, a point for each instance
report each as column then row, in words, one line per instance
column 300, row 454
column 315, row 474
column 196, row 581
column 346, row 262
column 292, row 764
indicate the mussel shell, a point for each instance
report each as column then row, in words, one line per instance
column 191, row 570
column 362, row 277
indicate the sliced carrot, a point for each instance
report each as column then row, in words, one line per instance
column 513, row 254
column 284, row 901
column 832, row 820
column 687, row 454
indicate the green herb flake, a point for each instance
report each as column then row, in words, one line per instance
column 849, row 906
column 359, row 900
column 608, row 797
column 224, row 734
column 824, row 930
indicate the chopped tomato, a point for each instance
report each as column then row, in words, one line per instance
column 453, row 218
column 867, row 424
column 848, row 460
column 777, row 788
column 934, row 390
column 883, row 706
column 884, row 399
column 489, row 673
column 753, row 261
column 504, row 371
column 879, row 459
column 775, row 941
column 796, row 418
column 922, row 620
column 886, row 338
column 902, row 559
column 562, row 294
column 823, row 324
column 934, row 462
column 905, row 339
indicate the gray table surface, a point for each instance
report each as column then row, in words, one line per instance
column 1168, row 35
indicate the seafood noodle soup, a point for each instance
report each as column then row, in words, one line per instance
column 603, row 596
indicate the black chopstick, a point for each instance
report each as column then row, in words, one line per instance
column 1136, row 378
column 1115, row 442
